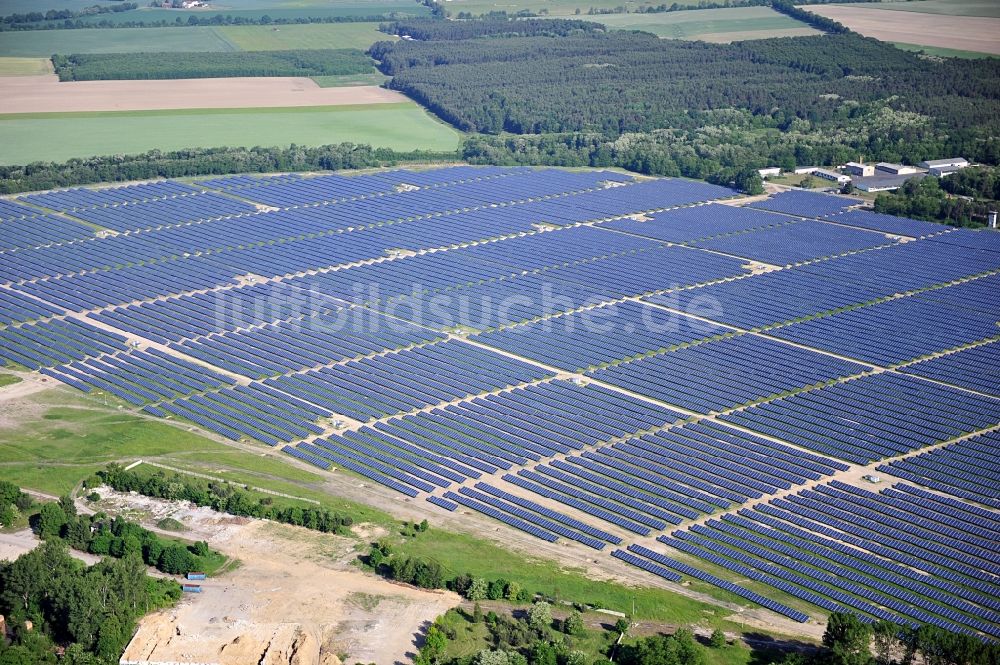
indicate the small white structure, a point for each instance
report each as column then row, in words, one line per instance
column 769, row 171
column 895, row 169
column 805, row 170
column 859, row 169
column 872, row 478
column 838, row 178
column 992, row 219
column 958, row 162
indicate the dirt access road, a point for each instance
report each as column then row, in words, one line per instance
column 295, row 598
column 45, row 94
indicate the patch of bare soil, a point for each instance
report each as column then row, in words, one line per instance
column 45, row 94
column 966, row 33
column 295, row 598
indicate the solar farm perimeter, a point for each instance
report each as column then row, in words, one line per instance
column 636, row 369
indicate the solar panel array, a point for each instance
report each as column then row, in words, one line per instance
column 902, row 554
column 578, row 355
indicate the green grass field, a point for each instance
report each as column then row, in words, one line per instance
column 43, row 43
column 307, row 36
column 60, row 136
column 9, row 380
column 988, row 8
column 716, row 24
column 944, row 52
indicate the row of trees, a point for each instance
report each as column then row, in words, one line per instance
column 64, row 14
column 188, row 21
column 223, row 497
column 317, row 62
column 117, row 537
column 204, row 161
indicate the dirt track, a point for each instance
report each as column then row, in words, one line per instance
column 966, row 33
column 295, row 599
column 45, row 94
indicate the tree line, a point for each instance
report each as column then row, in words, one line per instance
column 118, row 66
column 63, row 14
column 191, row 20
column 223, row 497
column 205, row 161
column 117, row 537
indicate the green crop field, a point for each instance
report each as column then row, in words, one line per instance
column 60, row 136
column 43, row 43
column 25, row 66
column 943, row 52
column 306, row 36
column 713, row 24
column 987, row 8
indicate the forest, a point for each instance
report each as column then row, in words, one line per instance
column 868, row 94
column 88, row 612
column 105, row 66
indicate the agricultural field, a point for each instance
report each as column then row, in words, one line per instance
column 713, row 25
column 61, row 136
column 648, row 380
column 307, row 36
column 25, row 67
column 962, row 32
column 984, row 8
column 43, row 43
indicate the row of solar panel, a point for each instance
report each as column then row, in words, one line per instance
column 141, row 377
column 80, row 197
column 967, row 469
column 833, row 577
column 876, row 416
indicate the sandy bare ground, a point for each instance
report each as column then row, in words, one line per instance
column 42, row 94
column 294, row 599
column 13, row 545
column 967, row 33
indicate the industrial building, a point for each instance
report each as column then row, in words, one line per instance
column 895, row 169
column 956, row 162
column 859, row 169
column 838, row 178
column 884, row 183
